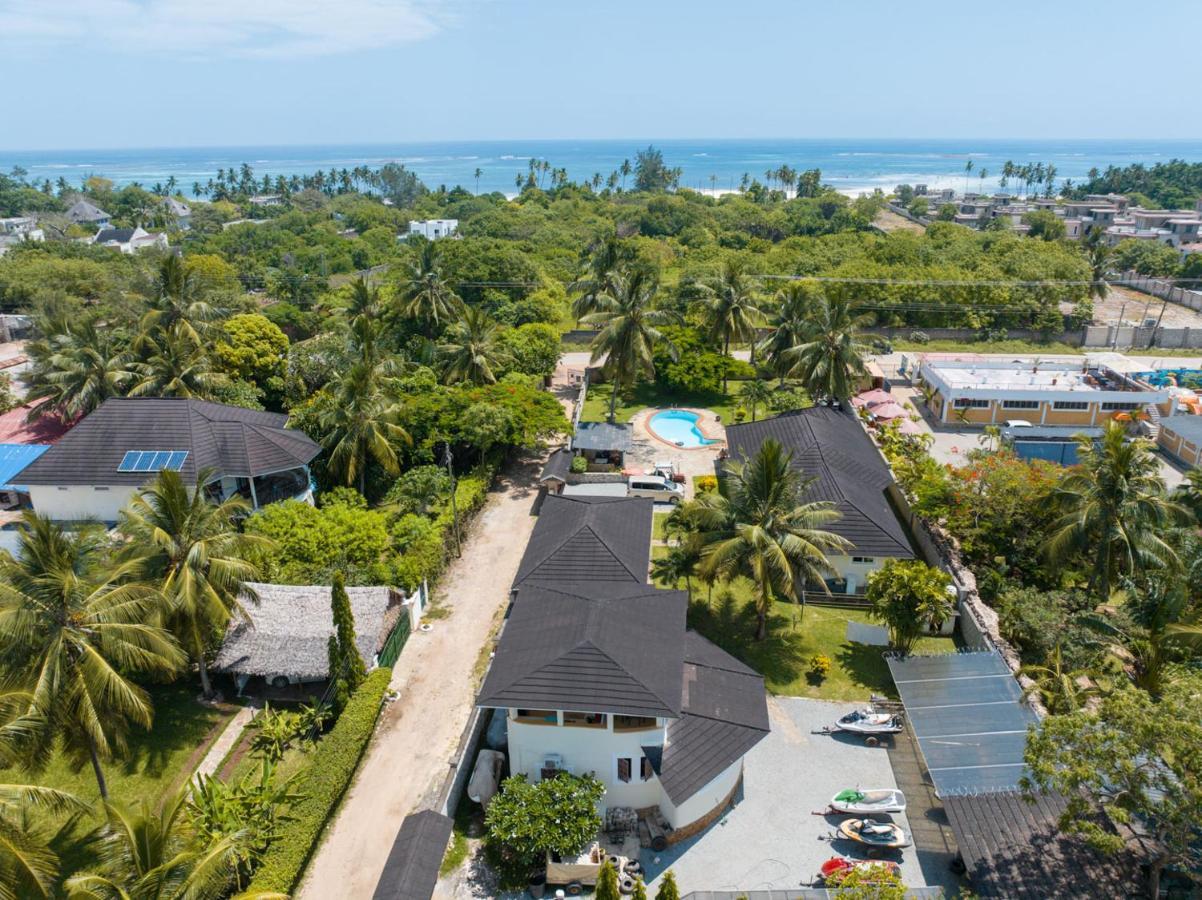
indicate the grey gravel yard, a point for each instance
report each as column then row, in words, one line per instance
column 771, row 840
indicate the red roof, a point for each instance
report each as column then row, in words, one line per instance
column 14, row 429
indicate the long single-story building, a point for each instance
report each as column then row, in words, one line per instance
column 1181, row 435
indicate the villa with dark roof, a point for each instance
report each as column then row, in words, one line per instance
column 830, row 446
column 597, row 672
column 96, row 467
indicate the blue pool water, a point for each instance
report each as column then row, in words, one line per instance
column 679, row 426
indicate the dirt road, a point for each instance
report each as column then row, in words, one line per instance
column 411, row 752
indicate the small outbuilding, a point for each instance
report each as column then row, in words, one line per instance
column 602, row 443
column 554, row 476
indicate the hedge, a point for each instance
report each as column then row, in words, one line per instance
column 427, row 557
column 323, row 781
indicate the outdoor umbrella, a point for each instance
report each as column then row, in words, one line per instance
column 873, row 398
column 890, row 410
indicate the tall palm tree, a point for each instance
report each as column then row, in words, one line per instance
column 175, row 364
column 1097, row 253
column 628, row 329
column 477, row 175
column 678, row 564
column 360, row 424
column 424, row 295
column 149, row 853
column 1112, row 508
column 75, row 632
column 754, row 395
column 788, row 326
column 1189, row 493
column 192, row 549
column 76, row 370
column 758, row 525
column 471, row 349
column 832, row 357
column 178, row 300
column 601, row 262
column 730, row 309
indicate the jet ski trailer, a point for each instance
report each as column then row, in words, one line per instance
column 869, row 722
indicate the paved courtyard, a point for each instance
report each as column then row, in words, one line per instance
column 771, row 840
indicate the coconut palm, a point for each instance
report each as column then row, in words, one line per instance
column 678, row 564
column 149, row 853
column 730, row 309
column 788, row 326
column 76, row 370
column 360, row 424
column 629, row 329
column 1097, row 253
column 831, row 359
column 1189, row 493
column 757, row 525
column 74, row 632
column 175, row 363
column 1060, row 690
column 1112, row 508
column 599, row 265
column 192, row 549
column 754, row 395
column 424, row 295
column 471, row 350
column 177, row 300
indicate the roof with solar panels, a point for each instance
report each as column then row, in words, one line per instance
column 127, row 441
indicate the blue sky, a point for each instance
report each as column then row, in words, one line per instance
column 149, row 73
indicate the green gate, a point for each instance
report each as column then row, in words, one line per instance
column 396, row 641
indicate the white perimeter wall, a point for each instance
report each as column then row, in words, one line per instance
column 80, row 501
column 704, row 800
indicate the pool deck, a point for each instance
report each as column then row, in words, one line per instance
column 707, row 423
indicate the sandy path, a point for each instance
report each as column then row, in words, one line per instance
column 410, row 755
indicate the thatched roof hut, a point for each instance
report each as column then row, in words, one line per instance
column 289, row 629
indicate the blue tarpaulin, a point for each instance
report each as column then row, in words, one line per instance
column 14, row 458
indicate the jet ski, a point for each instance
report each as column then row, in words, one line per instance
column 869, row 721
column 867, row 802
column 874, row 833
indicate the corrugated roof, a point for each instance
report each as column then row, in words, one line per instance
column 602, row 436
column 411, row 871
column 608, row 647
column 13, row 459
column 831, row 447
column 232, row 440
column 589, row 538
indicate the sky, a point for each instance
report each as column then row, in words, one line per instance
column 92, row 74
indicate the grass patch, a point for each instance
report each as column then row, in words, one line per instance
column 658, row 521
column 653, row 394
column 794, row 637
column 459, row 848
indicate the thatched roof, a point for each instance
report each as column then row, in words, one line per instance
column 289, row 629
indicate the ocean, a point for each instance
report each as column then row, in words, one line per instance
column 851, row 166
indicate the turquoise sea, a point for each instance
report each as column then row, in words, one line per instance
column 850, row 165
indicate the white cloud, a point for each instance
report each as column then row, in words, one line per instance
column 220, row 28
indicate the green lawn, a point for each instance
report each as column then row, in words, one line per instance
column 652, row 394
column 657, row 526
column 794, row 637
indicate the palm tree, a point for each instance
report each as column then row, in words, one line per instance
column 177, row 300
column 1060, row 690
column 149, row 853
column 730, row 309
column 471, row 349
column 832, row 357
column 680, row 563
column 192, row 549
column 788, row 326
column 477, row 175
column 1097, row 253
column 1189, row 493
column 628, row 329
column 425, row 296
column 755, row 394
column 601, row 262
column 76, row 370
column 757, row 525
column 1113, row 509
column 360, row 424
column 175, row 364
column 75, row 632
column 967, row 172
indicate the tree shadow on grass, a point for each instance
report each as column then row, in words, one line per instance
column 730, row 623
column 865, row 665
column 180, row 725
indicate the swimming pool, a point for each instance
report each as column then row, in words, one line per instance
column 679, row 427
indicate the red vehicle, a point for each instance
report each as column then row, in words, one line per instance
column 837, row 864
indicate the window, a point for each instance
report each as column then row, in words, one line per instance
column 863, row 559
column 1121, row 407
column 537, row 717
column 584, row 720
column 645, row 770
column 99, row 488
column 1070, row 404
column 634, row 723
column 625, row 764
column 970, row 403
column 1020, row 404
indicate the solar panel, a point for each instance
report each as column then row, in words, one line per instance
column 152, row 460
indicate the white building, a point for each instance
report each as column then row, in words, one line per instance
column 83, row 212
column 94, row 470
column 596, row 672
column 433, row 229
column 129, row 240
column 16, row 229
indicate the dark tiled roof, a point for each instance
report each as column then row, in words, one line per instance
column 114, row 235
column 1015, row 849
column 587, row 538
column 233, row 440
column 83, row 211
column 601, row 436
column 831, row 447
column 558, row 465
column 411, row 871
column 724, row 714
column 608, row 647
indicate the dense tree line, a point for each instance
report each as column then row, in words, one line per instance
column 1175, row 184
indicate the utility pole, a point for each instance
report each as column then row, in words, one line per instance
column 1156, row 327
column 447, row 461
column 1122, row 309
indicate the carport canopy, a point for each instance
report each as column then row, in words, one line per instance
column 967, row 713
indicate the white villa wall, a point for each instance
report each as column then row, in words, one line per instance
column 704, row 800
column 856, row 573
column 586, row 750
column 80, row 501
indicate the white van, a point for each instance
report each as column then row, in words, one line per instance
column 656, row 487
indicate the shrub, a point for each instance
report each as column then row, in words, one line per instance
column 705, row 484
column 330, row 770
column 820, row 666
column 920, row 337
column 579, row 465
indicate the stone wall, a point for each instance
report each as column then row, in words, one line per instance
column 699, row 825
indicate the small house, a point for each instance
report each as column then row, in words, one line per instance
column 129, row 240
column 603, row 444
column 433, row 229
column 179, row 212
column 83, row 212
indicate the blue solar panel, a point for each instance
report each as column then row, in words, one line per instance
column 152, row 460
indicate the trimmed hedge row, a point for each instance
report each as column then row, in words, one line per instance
column 427, row 557
column 324, row 781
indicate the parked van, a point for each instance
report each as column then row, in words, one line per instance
column 656, row 487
